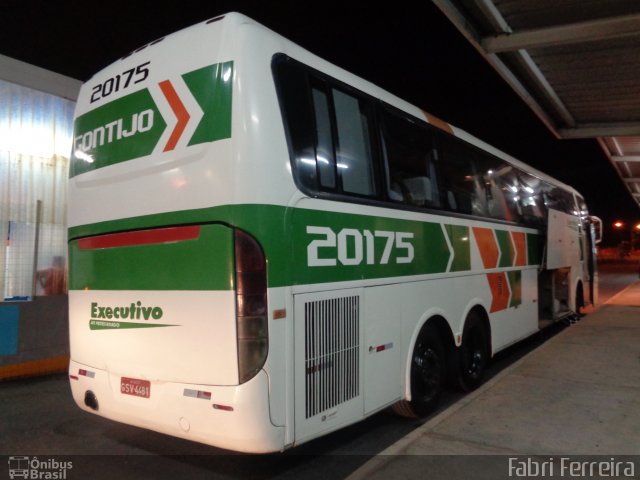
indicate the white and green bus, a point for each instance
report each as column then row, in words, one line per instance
column 264, row 248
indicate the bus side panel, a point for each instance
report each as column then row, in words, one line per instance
column 383, row 359
column 262, row 170
column 520, row 319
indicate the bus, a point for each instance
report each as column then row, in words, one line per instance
column 264, row 248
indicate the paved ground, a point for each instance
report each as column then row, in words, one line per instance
column 576, row 395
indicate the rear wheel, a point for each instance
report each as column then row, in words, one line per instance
column 474, row 353
column 428, row 367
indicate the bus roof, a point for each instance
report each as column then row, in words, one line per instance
column 234, row 20
column 371, row 89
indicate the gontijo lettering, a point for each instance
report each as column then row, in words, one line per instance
column 118, row 129
column 135, row 311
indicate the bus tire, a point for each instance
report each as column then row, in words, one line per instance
column 473, row 354
column 427, row 376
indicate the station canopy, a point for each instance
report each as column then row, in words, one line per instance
column 576, row 63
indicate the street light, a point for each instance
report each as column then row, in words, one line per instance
column 626, row 246
column 634, row 230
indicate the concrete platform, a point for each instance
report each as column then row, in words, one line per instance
column 576, row 395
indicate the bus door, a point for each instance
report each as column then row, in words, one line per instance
column 594, row 237
column 562, row 249
column 562, row 255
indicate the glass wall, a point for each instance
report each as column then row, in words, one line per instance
column 35, row 144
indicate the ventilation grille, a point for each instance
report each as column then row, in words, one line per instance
column 332, row 349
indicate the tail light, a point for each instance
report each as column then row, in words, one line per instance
column 251, row 305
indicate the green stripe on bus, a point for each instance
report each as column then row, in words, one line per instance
column 460, row 241
column 515, row 283
column 349, row 247
column 214, row 97
column 534, row 255
column 202, row 264
column 118, row 325
column 379, row 241
column 506, row 249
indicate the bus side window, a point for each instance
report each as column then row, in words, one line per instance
column 461, row 182
column 325, row 159
column 354, row 156
column 410, row 162
column 328, row 131
column 507, row 179
column 293, row 95
column 489, row 171
column 531, row 198
column 559, row 199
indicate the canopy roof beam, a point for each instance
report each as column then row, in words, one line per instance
column 594, row 30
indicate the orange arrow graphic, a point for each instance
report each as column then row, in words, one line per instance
column 499, row 291
column 178, row 109
column 487, row 246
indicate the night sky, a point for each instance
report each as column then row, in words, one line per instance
column 407, row 48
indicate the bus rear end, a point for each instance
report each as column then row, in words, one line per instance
column 168, row 296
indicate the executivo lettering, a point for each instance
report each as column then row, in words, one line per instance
column 115, row 317
column 135, row 311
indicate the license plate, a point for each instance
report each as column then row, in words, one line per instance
column 135, row 387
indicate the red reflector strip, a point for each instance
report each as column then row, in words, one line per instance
column 381, row 348
column 73, row 377
column 140, row 237
column 197, row 394
column 226, row 408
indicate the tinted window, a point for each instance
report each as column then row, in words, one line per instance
column 353, row 149
column 558, row 199
column 324, row 140
column 531, row 198
column 410, row 157
column 328, row 129
column 497, row 183
column 293, row 93
column 506, row 178
column 334, row 144
column 462, row 184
